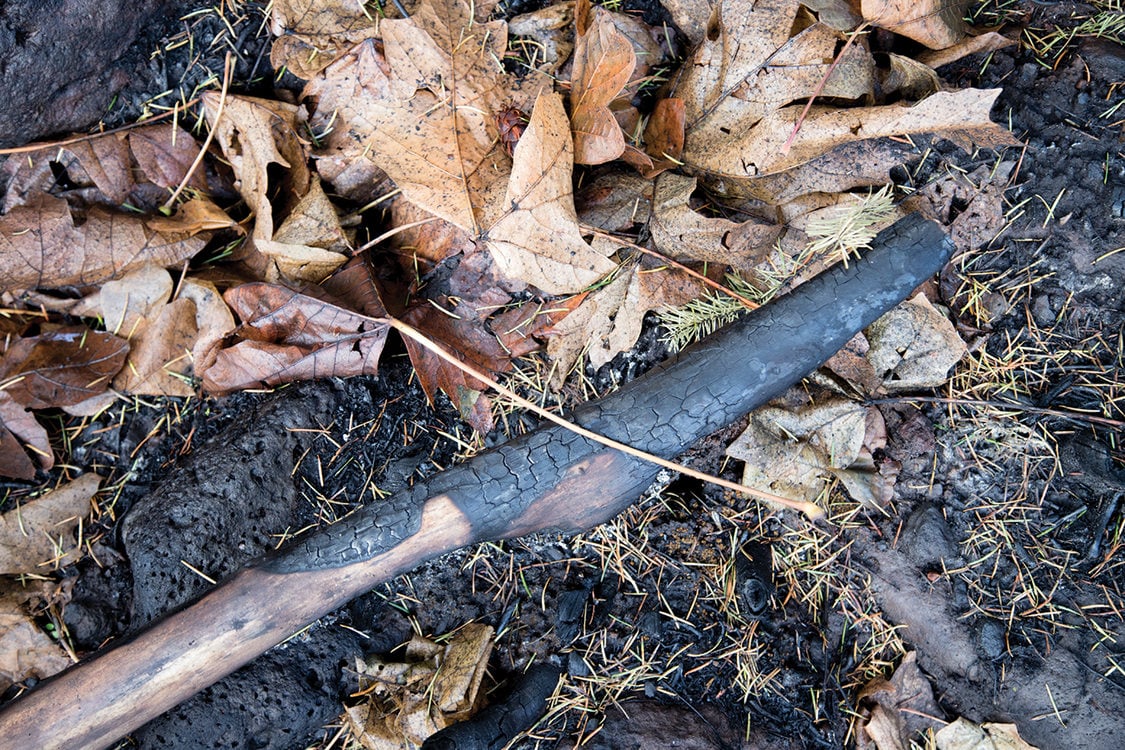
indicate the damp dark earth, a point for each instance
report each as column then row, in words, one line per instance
column 965, row 589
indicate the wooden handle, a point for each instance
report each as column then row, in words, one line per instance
column 548, row 479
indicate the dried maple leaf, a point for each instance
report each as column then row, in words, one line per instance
column 288, row 336
column 61, row 367
column 41, row 246
column 38, row 536
column 18, row 424
column 682, row 233
column 538, row 239
column 603, row 63
column 425, row 114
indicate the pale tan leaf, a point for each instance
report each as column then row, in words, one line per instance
column 128, row 303
column 42, row 247
column 160, row 359
column 25, row 650
column 199, row 214
column 310, row 244
column 213, row 321
column 312, row 33
column 538, row 239
column 936, row 24
column 970, row 45
column 254, row 134
column 963, row 734
column 603, row 63
column 38, row 536
column 682, row 233
column 552, row 29
column 914, row 346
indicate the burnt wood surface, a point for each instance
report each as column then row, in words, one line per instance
column 549, row 479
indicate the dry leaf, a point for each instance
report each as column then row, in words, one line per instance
column 682, row 233
column 61, row 367
column 693, row 17
column 38, row 535
column 615, row 200
column 936, row 24
column 970, row 45
column 105, row 246
column 18, row 424
column 963, row 734
column 312, row 33
column 25, row 650
column 609, row 320
column 795, row 452
column 213, row 321
column 603, row 63
column 902, row 707
column 290, row 336
column 551, row 28
column 538, row 240
column 914, row 346
column 127, row 304
column 160, row 361
column 310, row 244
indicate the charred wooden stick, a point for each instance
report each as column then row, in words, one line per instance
column 548, row 479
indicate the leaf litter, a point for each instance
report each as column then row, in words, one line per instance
column 763, row 122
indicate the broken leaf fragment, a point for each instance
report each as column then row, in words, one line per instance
column 913, row 346
column 39, row 535
column 26, row 651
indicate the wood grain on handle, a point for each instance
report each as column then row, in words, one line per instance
column 548, row 479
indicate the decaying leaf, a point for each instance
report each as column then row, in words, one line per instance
column 901, row 708
column 18, row 424
column 552, row 29
column 61, row 366
column 682, row 233
column 538, row 239
column 105, row 246
column 25, row 650
column 914, row 346
column 407, row 701
column 603, row 63
column 38, row 536
column 288, row 336
column 963, row 734
column 310, row 34
column 936, row 24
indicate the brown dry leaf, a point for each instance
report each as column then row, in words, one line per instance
column 61, row 367
column 615, row 200
column 426, row 113
column 603, row 63
column 434, row 687
column 693, row 17
column 609, row 320
column 795, row 452
column 165, row 154
column 970, row 45
column 160, row 361
column 963, row 734
column 41, row 247
column 193, row 216
column 312, row 33
column 914, row 346
column 935, row 24
column 289, row 336
column 551, row 28
column 213, row 321
column 18, row 424
column 310, row 244
column 902, row 706
column 127, row 304
column 682, row 233
column 538, row 239
column 38, row 536
column 25, row 650
column 664, row 134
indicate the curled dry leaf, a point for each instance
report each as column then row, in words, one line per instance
column 38, row 536
column 935, row 24
column 18, row 424
column 538, row 239
column 105, row 246
column 603, row 63
column 61, row 367
column 914, row 346
column 25, row 650
column 288, row 336
column 682, row 233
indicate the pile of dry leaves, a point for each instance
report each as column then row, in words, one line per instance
column 502, row 186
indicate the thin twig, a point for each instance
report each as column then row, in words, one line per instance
column 227, row 70
column 811, row 510
column 820, row 87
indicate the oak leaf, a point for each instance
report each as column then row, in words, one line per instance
column 538, row 239
column 603, row 63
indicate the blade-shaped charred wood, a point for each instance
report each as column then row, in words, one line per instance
column 549, row 479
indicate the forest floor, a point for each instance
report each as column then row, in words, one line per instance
column 991, row 588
